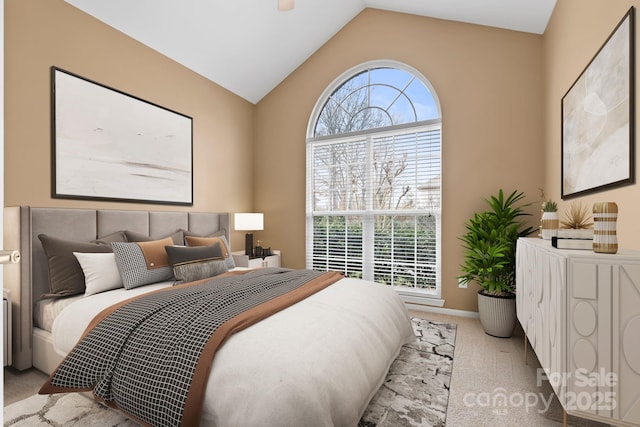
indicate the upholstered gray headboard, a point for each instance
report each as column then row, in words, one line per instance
column 30, row 279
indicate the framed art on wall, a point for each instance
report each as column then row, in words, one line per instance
column 598, row 128
column 109, row 145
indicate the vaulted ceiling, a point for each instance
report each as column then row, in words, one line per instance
column 249, row 47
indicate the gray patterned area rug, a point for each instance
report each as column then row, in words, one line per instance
column 415, row 392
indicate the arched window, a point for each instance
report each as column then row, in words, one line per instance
column 373, row 178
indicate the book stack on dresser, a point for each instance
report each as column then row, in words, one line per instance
column 573, row 238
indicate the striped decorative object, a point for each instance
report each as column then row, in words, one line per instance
column 549, row 225
column 605, row 215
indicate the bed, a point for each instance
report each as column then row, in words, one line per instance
column 317, row 362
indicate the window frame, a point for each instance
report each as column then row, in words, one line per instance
column 414, row 295
column 342, row 78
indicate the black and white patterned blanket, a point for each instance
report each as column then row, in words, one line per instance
column 142, row 357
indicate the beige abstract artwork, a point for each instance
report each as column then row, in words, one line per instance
column 596, row 130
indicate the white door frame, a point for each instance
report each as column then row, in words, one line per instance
column 1, row 158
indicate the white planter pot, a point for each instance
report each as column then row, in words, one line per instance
column 549, row 225
column 497, row 314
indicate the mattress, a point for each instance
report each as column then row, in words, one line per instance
column 46, row 310
column 316, row 363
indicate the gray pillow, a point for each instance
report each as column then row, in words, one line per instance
column 133, row 268
column 65, row 273
column 132, row 236
column 193, row 271
column 118, row 236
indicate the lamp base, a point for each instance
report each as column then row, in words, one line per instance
column 248, row 245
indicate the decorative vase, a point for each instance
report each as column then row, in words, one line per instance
column 497, row 314
column 605, row 215
column 549, row 225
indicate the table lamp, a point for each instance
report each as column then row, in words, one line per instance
column 249, row 222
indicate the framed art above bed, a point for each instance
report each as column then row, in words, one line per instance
column 109, row 145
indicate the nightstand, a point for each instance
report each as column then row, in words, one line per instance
column 243, row 260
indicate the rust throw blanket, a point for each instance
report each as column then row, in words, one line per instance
column 150, row 356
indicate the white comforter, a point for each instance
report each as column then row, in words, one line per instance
column 317, row 363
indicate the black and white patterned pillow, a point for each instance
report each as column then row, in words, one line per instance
column 133, row 267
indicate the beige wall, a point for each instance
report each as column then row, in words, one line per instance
column 499, row 90
column 42, row 33
column 577, row 30
column 490, row 85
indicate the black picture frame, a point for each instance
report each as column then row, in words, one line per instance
column 112, row 146
column 598, row 118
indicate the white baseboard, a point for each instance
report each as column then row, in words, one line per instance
column 442, row 310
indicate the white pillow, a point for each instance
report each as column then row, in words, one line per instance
column 100, row 272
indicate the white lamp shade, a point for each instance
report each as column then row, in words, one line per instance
column 285, row 4
column 248, row 221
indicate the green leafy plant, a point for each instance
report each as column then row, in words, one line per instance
column 490, row 244
column 550, row 206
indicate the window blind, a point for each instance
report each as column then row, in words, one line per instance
column 373, row 206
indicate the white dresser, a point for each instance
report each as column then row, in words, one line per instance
column 580, row 311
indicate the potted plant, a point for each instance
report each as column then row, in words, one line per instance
column 490, row 249
column 550, row 221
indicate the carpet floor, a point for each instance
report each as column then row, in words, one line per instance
column 415, row 392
